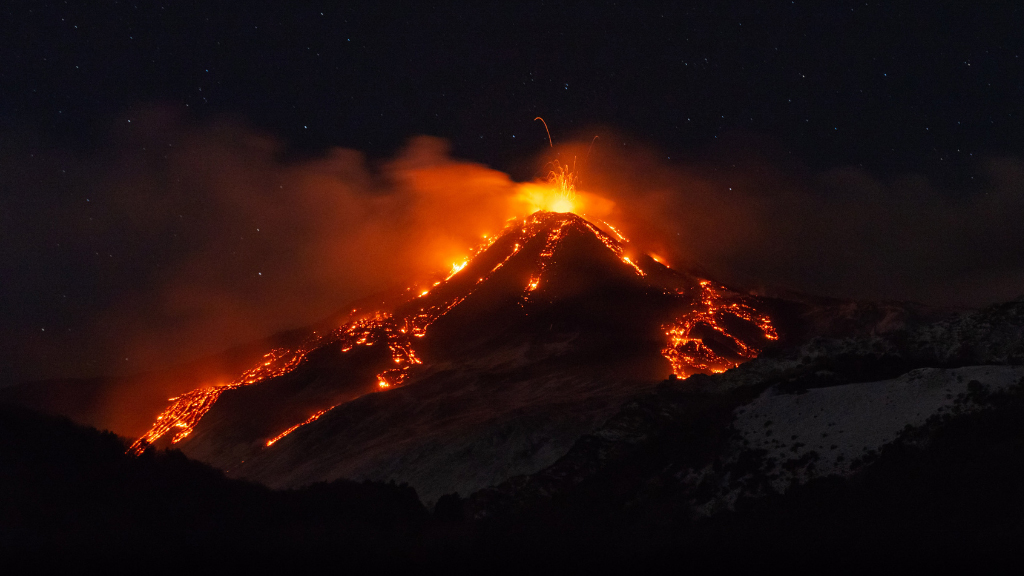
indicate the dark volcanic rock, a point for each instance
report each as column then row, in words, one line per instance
column 683, row 451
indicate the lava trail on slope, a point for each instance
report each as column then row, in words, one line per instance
column 552, row 294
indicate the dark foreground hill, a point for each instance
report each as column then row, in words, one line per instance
column 69, row 495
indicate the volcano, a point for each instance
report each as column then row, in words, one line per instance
column 559, row 392
column 461, row 382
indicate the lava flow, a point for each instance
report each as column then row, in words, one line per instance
column 186, row 410
column 699, row 339
column 274, row 440
column 689, row 354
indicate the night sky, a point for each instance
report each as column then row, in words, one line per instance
column 876, row 150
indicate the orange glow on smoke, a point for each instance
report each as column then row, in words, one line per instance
column 560, row 194
column 456, row 201
column 557, row 194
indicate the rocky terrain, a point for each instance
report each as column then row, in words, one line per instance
column 827, row 409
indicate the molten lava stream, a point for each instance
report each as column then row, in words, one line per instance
column 613, row 245
column 689, row 355
column 186, row 410
column 274, row 440
column 399, row 336
column 686, row 352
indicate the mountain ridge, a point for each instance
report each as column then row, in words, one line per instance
column 526, row 346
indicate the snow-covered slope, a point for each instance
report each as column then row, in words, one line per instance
column 827, row 407
column 832, row 430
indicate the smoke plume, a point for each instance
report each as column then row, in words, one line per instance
column 178, row 239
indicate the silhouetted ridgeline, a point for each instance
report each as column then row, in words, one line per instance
column 70, row 494
column 948, row 491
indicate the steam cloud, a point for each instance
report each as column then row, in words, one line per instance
column 179, row 240
column 841, row 232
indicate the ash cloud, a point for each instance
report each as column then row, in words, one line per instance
column 175, row 240
column 842, row 232
column 178, row 240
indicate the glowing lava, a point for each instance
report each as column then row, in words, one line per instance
column 698, row 340
column 274, row 440
column 186, row 410
column 689, row 354
column 557, row 194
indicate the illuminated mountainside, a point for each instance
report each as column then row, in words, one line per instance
column 462, row 381
column 537, row 338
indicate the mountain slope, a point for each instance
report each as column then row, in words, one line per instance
column 494, row 371
column 831, row 407
column 491, row 372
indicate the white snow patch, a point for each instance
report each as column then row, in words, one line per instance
column 844, row 423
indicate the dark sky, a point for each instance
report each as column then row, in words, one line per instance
column 130, row 134
column 884, row 84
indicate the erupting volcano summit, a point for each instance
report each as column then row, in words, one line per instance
column 553, row 311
